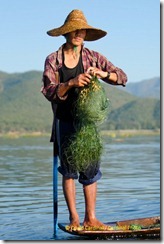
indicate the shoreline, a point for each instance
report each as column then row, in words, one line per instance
column 109, row 133
column 128, row 133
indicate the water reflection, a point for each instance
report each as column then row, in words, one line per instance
column 129, row 188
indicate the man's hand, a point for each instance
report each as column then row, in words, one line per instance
column 97, row 72
column 81, row 80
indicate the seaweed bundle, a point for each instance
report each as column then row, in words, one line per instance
column 91, row 109
column 84, row 147
column 92, row 103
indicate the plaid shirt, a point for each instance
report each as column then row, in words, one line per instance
column 51, row 79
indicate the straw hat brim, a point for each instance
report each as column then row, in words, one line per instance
column 92, row 33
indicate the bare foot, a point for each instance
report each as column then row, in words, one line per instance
column 96, row 224
column 74, row 223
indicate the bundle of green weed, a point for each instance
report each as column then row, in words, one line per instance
column 84, row 147
column 92, row 103
column 91, row 109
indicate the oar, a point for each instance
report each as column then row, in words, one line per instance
column 55, row 190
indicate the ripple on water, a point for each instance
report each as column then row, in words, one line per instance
column 129, row 188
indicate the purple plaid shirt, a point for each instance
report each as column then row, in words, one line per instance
column 51, row 79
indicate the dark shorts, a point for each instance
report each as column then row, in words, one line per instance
column 64, row 130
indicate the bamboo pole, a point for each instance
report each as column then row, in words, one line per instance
column 55, row 191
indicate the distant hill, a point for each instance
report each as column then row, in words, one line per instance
column 146, row 88
column 24, row 108
column 137, row 114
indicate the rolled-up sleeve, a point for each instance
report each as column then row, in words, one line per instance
column 51, row 80
column 121, row 76
column 106, row 65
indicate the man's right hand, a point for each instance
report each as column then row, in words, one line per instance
column 80, row 81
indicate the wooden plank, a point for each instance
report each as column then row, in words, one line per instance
column 141, row 221
column 122, row 230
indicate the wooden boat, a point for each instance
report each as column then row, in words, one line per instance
column 148, row 228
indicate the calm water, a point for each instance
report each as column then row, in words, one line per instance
column 129, row 188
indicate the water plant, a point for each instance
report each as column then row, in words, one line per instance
column 91, row 109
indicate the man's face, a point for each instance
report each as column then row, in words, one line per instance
column 76, row 37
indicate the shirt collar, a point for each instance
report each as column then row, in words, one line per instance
column 60, row 56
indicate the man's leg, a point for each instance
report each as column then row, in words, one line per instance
column 69, row 191
column 90, row 219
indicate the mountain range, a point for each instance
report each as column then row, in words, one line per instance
column 24, row 108
column 145, row 88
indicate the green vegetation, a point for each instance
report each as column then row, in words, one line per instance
column 135, row 227
column 91, row 109
column 142, row 113
column 86, row 137
column 24, row 108
column 92, row 103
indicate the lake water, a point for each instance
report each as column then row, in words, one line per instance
column 129, row 187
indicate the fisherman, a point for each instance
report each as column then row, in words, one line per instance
column 69, row 68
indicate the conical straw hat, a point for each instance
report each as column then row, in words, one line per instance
column 76, row 21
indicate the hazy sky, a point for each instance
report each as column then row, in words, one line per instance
column 132, row 42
